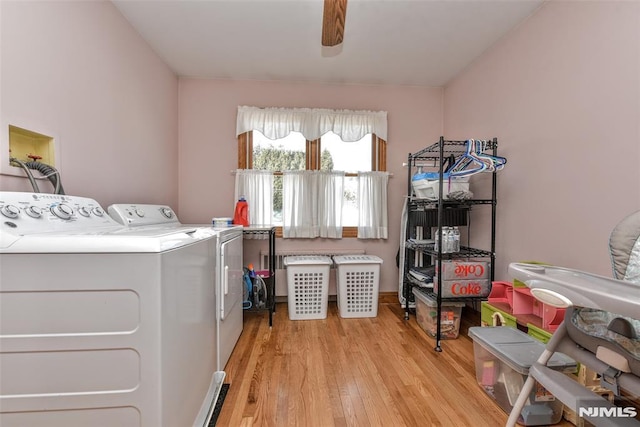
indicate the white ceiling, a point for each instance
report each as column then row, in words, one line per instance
column 397, row 42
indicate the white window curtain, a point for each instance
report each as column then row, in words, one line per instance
column 372, row 205
column 330, row 197
column 299, row 204
column 312, row 204
column 257, row 188
column 277, row 123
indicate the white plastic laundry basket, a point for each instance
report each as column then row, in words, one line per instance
column 358, row 281
column 308, row 286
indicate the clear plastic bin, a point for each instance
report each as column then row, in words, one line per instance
column 503, row 357
column 308, row 286
column 427, row 315
column 358, row 279
column 427, row 185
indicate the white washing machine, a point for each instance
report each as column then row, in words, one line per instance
column 101, row 325
column 229, row 281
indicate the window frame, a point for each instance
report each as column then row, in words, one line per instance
column 313, row 153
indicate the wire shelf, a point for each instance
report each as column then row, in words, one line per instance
column 432, row 152
column 437, row 213
column 465, row 251
column 416, row 203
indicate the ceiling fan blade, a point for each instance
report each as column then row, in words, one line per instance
column 335, row 12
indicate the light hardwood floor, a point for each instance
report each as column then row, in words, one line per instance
column 380, row 371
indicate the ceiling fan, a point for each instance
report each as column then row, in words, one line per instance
column 333, row 19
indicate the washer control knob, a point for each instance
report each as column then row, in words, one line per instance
column 62, row 211
column 34, row 211
column 167, row 212
column 98, row 211
column 10, row 211
column 83, row 211
column 140, row 212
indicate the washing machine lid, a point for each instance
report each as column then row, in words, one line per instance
column 120, row 240
column 51, row 223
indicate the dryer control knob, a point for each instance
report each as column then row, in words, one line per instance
column 167, row 212
column 10, row 211
column 140, row 212
column 34, row 211
column 98, row 211
column 62, row 211
column 83, row 211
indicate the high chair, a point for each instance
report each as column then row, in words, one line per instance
column 600, row 331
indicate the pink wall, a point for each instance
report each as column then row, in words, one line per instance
column 78, row 71
column 208, row 146
column 562, row 94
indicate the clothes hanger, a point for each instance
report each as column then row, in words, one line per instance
column 448, row 163
column 476, row 152
column 468, row 158
column 497, row 162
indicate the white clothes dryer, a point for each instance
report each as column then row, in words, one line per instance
column 229, row 291
column 229, row 268
column 101, row 325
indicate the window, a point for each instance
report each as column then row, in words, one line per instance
column 288, row 153
column 351, row 157
column 330, row 152
column 279, row 146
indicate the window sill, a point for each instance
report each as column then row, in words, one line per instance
column 347, row 232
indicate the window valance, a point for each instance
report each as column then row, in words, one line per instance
column 277, row 123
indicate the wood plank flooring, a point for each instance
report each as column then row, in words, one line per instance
column 380, row 371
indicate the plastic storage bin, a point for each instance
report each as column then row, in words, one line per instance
column 427, row 315
column 308, row 286
column 357, row 279
column 503, row 357
column 426, row 185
